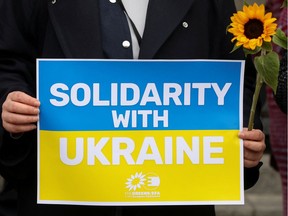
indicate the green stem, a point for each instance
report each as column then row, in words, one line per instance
column 259, row 83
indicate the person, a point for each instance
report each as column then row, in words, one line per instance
column 100, row 29
column 281, row 92
column 277, row 106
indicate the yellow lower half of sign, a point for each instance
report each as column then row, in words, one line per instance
column 140, row 167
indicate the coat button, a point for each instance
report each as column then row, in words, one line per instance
column 126, row 44
column 185, row 24
column 112, row 1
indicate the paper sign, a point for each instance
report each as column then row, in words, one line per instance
column 140, row 132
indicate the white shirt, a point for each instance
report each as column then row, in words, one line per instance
column 136, row 10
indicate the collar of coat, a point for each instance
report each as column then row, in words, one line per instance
column 73, row 19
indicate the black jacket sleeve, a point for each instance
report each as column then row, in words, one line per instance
column 18, row 50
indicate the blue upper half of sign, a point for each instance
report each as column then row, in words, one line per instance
column 87, row 95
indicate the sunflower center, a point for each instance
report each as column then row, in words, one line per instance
column 253, row 28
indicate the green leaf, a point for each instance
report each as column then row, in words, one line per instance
column 280, row 39
column 235, row 48
column 284, row 4
column 251, row 52
column 267, row 46
column 268, row 68
column 229, row 26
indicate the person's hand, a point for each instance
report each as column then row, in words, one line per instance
column 20, row 112
column 254, row 146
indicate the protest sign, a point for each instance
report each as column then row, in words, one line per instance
column 140, row 132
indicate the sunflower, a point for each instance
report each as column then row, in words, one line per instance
column 252, row 26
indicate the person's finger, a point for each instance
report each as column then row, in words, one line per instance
column 256, row 146
column 252, row 135
column 20, row 108
column 24, row 98
column 251, row 155
column 12, row 128
column 250, row 163
column 19, row 119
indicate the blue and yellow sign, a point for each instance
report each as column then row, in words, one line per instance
column 140, row 132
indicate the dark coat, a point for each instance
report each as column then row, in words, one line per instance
column 31, row 29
